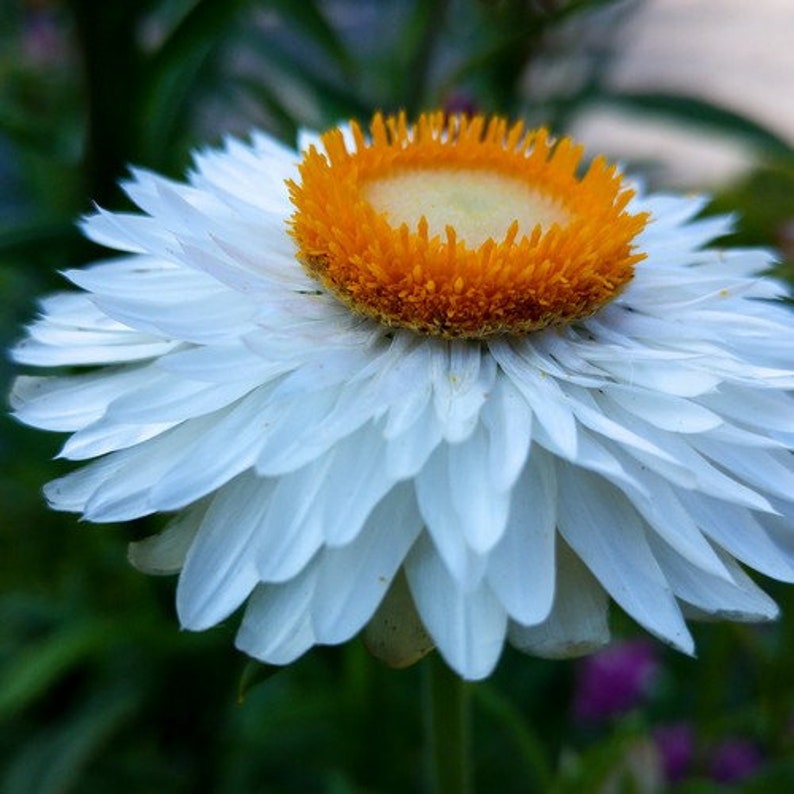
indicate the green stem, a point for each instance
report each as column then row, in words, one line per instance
column 448, row 729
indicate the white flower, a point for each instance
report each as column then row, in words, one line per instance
column 328, row 452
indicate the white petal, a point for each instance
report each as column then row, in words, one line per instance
column 735, row 599
column 222, row 363
column 165, row 552
column 220, row 571
column 577, row 623
column 293, row 529
column 221, row 451
column 768, row 470
column 408, row 452
column 686, row 468
column 208, row 319
column 415, row 391
column 558, row 351
column 76, row 333
column 521, row 566
column 658, row 503
column 356, row 481
column 462, row 378
column 270, row 258
column 603, row 529
column 144, row 278
column 129, row 232
column 598, row 455
column 276, row 627
column 481, row 509
column 468, row 627
column 665, row 411
column 166, row 398
column 508, row 420
column 670, row 211
column 664, row 377
column 353, row 579
column 102, row 438
column 593, row 416
column 70, row 403
column 739, row 533
column 71, row 492
column 556, row 426
column 302, row 430
column 760, row 408
column 242, row 169
column 166, row 472
column 437, row 503
column 236, row 274
column 116, row 487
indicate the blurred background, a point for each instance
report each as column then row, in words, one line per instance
column 99, row 690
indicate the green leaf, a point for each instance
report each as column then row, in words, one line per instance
column 285, row 77
column 310, row 21
column 41, row 665
column 193, row 36
column 701, row 113
column 562, row 11
column 254, row 673
column 511, row 35
column 416, row 48
column 264, row 95
column 171, row 76
column 52, row 761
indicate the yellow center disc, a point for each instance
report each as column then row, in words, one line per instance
column 463, row 228
column 478, row 204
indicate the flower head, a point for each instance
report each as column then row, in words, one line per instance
column 460, row 228
column 675, row 743
column 435, row 380
column 615, row 680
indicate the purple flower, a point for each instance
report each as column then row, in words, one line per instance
column 734, row 760
column 675, row 744
column 615, row 680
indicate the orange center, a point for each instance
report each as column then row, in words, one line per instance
column 463, row 228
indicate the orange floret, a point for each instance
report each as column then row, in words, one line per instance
column 462, row 227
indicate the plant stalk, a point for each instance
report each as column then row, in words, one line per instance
column 448, row 729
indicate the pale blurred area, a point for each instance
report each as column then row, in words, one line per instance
column 735, row 53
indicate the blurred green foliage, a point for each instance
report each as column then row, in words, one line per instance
column 99, row 691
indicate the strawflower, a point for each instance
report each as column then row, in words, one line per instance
column 436, row 381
